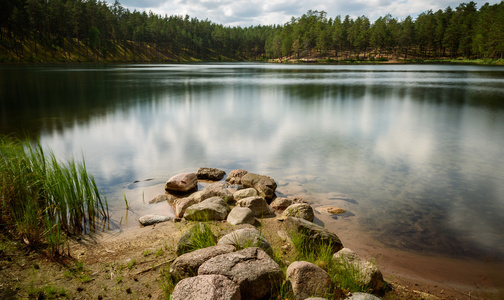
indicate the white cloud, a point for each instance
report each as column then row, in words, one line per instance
column 260, row 12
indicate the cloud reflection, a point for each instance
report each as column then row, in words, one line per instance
column 404, row 151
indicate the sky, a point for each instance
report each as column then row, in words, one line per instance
column 246, row 13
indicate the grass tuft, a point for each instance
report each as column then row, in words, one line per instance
column 43, row 200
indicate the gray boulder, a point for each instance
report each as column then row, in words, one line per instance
column 363, row 271
column 210, row 174
column 281, row 203
column 308, row 280
column 264, row 185
column 258, row 205
column 191, row 239
column 186, row 265
column 182, row 183
column 300, row 210
column 362, row 296
column 241, row 215
column 206, row 287
column 245, row 193
column 214, row 208
column 315, row 233
column 246, row 237
column 235, row 176
column 153, row 219
column 182, row 204
column 252, row 268
column 217, row 189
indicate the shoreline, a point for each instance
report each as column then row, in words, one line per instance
column 453, row 278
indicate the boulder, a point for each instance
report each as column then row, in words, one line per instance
column 210, row 174
column 308, row 280
column 214, row 208
column 246, row 237
column 258, row 205
column 245, row 193
column 235, row 176
column 186, row 265
column 300, row 210
column 264, row 185
column 182, row 183
column 162, row 198
column 241, row 215
column 281, row 203
column 252, row 268
column 315, row 233
column 217, row 189
column 206, row 287
column 182, row 204
column 153, row 219
column 191, row 239
column 362, row 296
column 366, row 273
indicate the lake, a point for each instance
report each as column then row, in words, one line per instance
column 415, row 153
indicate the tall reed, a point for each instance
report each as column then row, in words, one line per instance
column 43, row 200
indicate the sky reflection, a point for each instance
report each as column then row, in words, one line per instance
column 418, row 147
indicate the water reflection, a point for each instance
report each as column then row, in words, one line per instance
column 417, row 147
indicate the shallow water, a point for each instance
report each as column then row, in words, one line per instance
column 414, row 152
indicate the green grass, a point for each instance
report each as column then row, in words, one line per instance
column 43, row 200
column 199, row 236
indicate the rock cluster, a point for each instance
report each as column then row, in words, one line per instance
column 240, row 265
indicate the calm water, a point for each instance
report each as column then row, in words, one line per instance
column 416, row 153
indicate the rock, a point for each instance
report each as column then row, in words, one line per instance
column 362, row 296
column 182, row 183
column 363, row 271
column 308, row 280
column 188, row 241
column 246, row 237
column 206, row 287
column 258, row 205
column 186, row 265
column 252, row 268
column 333, row 210
column 300, row 210
column 153, row 219
column 182, row 204
column 264, row 185
column 314, row 232
column 241, row 215
column 164, row 197
column 217, row 189
column 214, row 208
column 235, row 176
column 245, row 193
column 281, row 203
column 210, row 174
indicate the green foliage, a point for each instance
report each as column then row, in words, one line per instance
column 42, row 199
column 198, row 237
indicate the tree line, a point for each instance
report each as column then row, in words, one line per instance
column 99, row 31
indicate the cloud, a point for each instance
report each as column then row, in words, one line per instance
column 260, row 12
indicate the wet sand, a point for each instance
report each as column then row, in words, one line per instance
column 444, row 277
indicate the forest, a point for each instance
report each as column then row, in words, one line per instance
column 97, row 31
